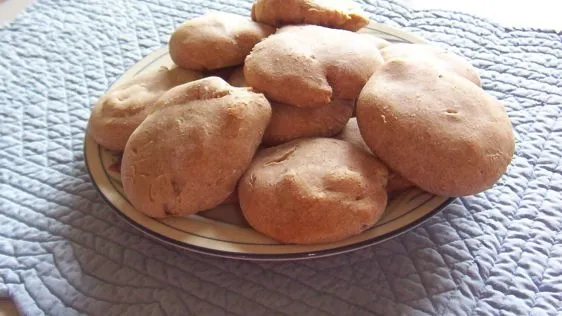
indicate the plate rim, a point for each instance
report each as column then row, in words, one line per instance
column 176, row 244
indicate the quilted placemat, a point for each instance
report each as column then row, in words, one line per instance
column 63, row 252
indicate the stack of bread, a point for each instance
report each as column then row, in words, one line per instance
column 310, row 128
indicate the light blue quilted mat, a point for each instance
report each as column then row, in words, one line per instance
column 64, row 252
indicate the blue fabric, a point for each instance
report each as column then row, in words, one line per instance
column 63, row 252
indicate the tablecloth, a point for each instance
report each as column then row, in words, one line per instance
column 64, row 252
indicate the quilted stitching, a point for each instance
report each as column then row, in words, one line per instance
column 63, row 252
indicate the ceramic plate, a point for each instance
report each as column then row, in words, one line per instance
column 223, row 231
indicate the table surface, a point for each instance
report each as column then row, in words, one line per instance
column 536, row 14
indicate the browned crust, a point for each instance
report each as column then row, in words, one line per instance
column 313, row 190
column 189, row 154
column 435, row 128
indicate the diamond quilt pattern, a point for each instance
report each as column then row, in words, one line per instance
column 63, row 252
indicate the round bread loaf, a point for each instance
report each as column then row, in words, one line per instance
column 350, row 133
column 215, row 40
column 290, row 122
column 232, row 199
column 340, row 14
column 237, row 79
column 188, row 155
column 379, row 42
column 435, row 128
column 313, row 190
column 120, row 111
column 435, row 55
column 310, row 66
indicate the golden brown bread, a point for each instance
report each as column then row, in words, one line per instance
column 435, row 128
column 433, row 54
column 313, row 190
column 379, row 42
column 175, row 161
column 310, row 66
column 223, row 73
column 237, row 79
column 232, row 199
column 215, row 40
column 340, row 14
column 118, row 113
column 351, row 134
column 289, row 122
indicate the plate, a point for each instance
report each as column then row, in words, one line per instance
column 223, row 231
